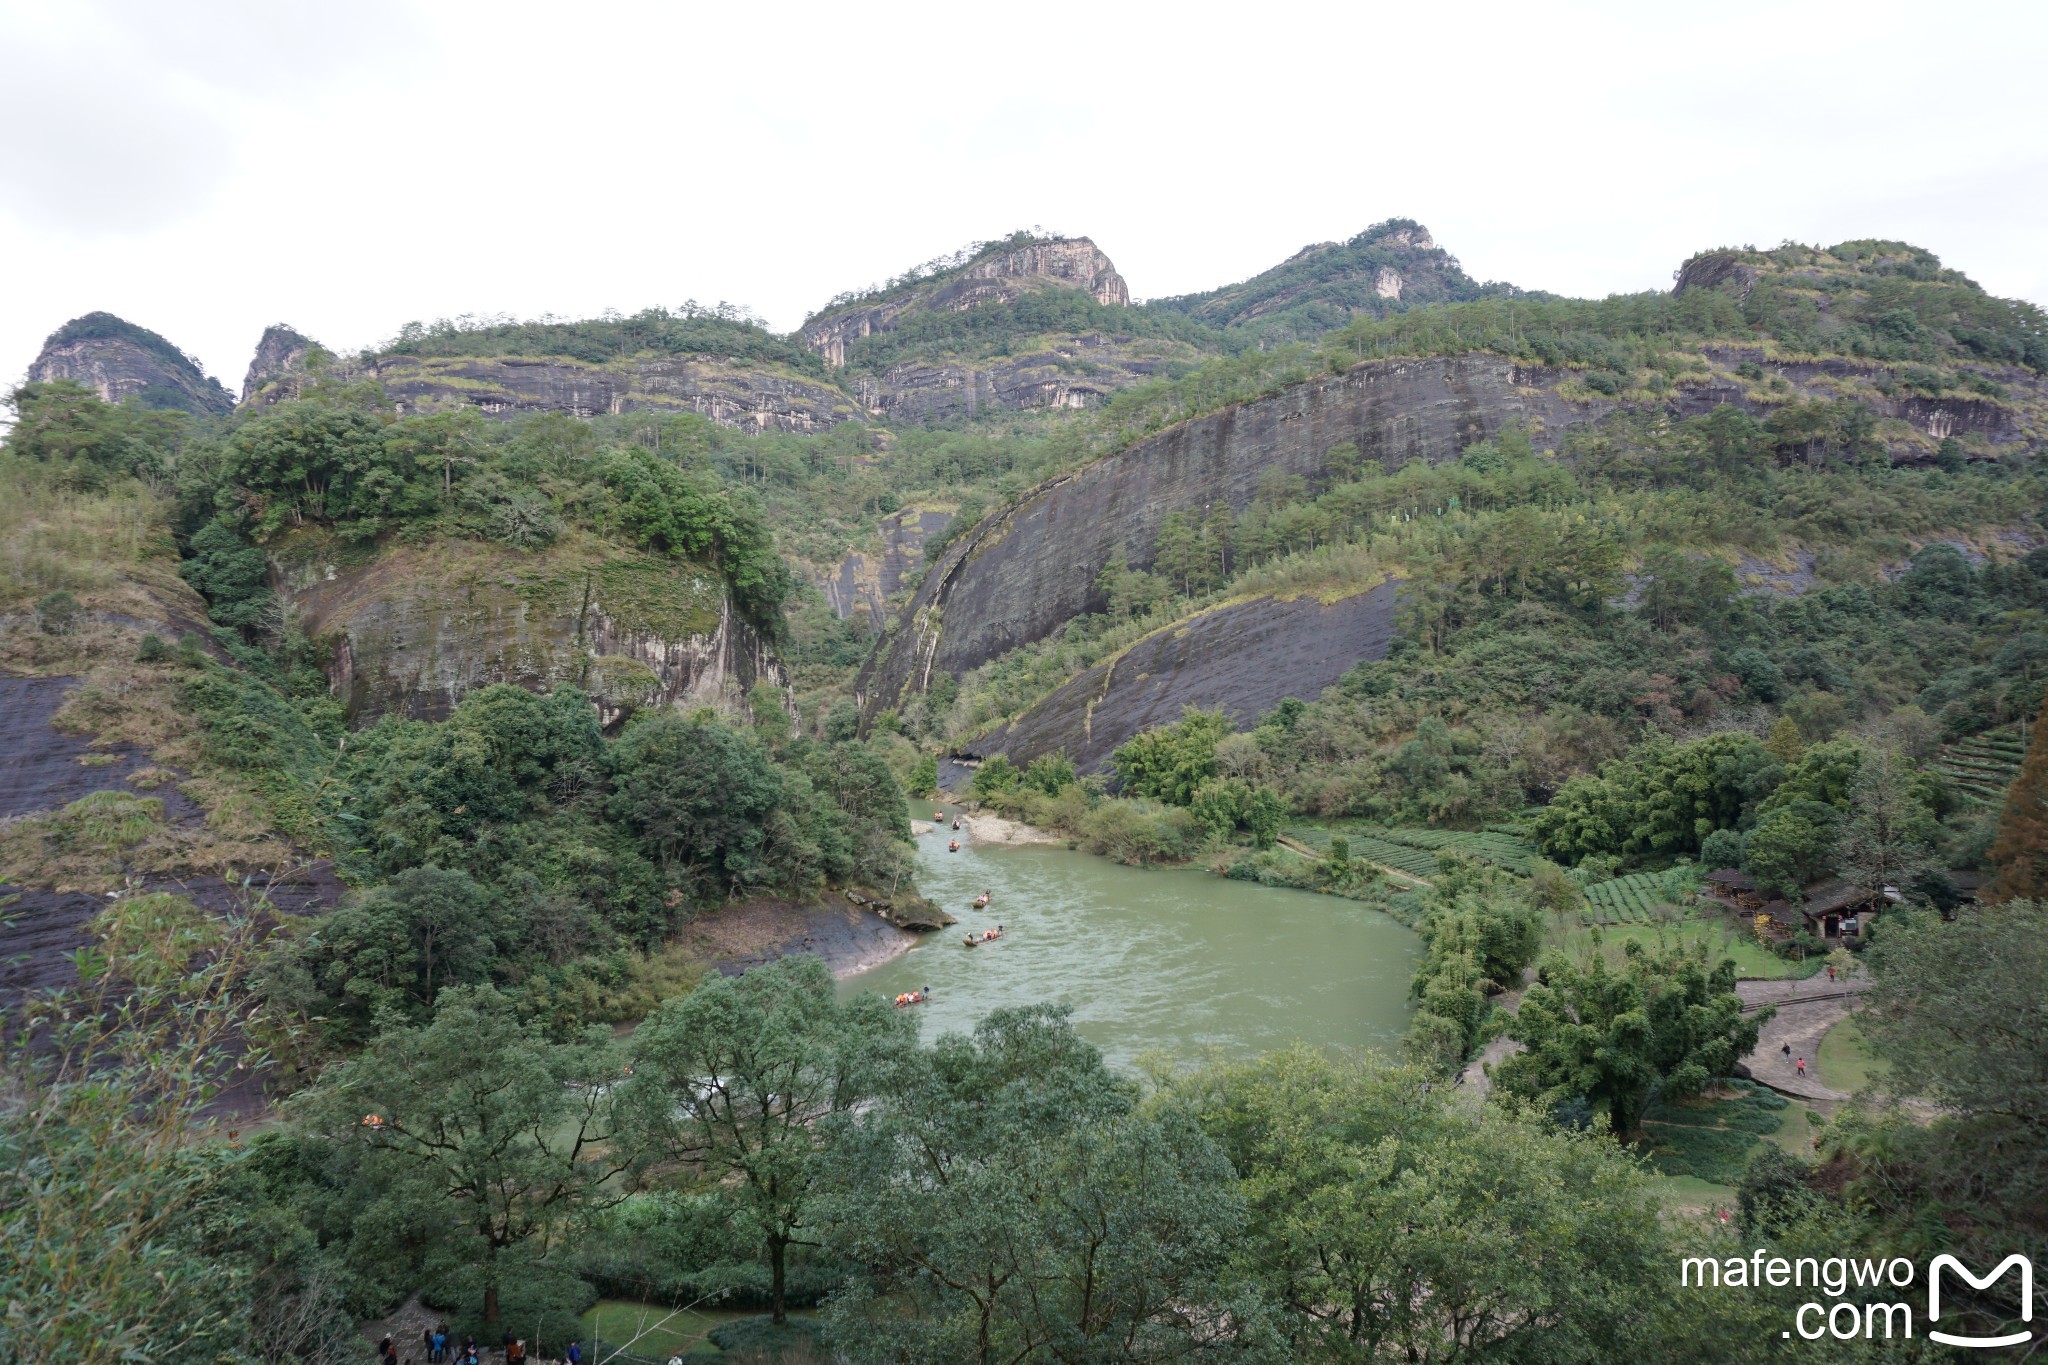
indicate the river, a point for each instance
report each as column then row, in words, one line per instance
column 1151, row 959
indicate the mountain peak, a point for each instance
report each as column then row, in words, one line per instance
column 123, row 362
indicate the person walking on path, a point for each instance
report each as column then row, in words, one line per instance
column 1802, row 1066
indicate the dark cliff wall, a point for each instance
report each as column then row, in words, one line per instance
column 275, row 369
column 1244, row 658
column 1028, row 568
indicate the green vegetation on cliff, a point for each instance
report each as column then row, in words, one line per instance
column 724, row 331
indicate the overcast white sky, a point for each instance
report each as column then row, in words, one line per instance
column 209, row 167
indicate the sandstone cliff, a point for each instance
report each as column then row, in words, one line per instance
column 1079, row 371
column 1000, row 273
column 863, row 583
column 123, row 362
column 752, row 396
column 413, row 628
column 1029, row 567
column 1243, row 658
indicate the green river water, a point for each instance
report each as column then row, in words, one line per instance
column 1173, row 960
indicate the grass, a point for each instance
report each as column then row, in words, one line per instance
column 1692, row 1194
column 1712, row 1137
column 1722, row 937
column 1846, row 1061
column 615, row 1322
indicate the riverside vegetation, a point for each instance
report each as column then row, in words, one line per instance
column 1584, row 693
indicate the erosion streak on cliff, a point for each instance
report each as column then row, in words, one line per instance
column 1027, row 569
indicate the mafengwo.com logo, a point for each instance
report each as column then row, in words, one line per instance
column 1856, row 1288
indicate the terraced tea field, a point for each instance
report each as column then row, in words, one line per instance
column 1980, row 768
column 1633, row 899
column 1413, row 849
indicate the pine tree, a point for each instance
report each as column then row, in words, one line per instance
column 2021, row 852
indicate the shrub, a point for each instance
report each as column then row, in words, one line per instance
column 58, row 613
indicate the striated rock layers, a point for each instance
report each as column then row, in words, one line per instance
column 997, row 276
column 1244, row 657
column 278, row 367
column 1028, row 568
column 1063, row 372
column 751, row 397
column 416, row 627
column 123, row 362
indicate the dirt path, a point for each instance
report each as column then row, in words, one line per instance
column 1806, row 1010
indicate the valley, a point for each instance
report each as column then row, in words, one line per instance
column 1436, row 714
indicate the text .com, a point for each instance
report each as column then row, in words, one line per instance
column 1868, row 1318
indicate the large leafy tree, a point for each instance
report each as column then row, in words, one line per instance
column 1393, row 1222
column 698, row 793
column 1615, row 1036
column 486, row 1125
column 734, row 1083
column 1662, row 799
column 1171, row 762
column 1006, row 1201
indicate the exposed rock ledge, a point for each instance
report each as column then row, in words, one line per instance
column 853, row 931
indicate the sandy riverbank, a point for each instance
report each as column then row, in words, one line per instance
column 985, row 828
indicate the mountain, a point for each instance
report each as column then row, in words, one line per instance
column 1025, row 322
column 1324, row 286
column 988, row 274
column 121, row 362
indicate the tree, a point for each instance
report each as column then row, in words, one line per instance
column 397, row 946
column 1180, row 555
column 924, row 776
column 1005, row 1200
column 1171, row 762
column 2021, row 851
column 231, row 574
column 733, row 1085
column 1784, row 742
column 698, row 793
column 995, row 776
column 1886, row 839
column 1049, row 773
column 1613, row 1036
column 1392, row 1222
column 111, row 1091
column 1792, row 846
column 509, row 1134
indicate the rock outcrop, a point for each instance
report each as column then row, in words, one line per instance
column 419, row 626
column 999, row 274
column 1064, row 372
column 863, row 583
column 277, row 369
column 749, row 397
column 1028, row 568
column 126, row 363
column 1244, row 657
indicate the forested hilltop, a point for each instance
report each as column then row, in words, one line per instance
column 411, row 751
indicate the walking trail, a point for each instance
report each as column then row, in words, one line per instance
column 1806, row 1010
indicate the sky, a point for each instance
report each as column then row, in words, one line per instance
column 208, row 168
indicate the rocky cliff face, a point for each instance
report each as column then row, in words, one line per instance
column 863, row 583
column 753, row 398
column 1065, row 372
column 278, row 367
column 993, row 278
column 417, row 627
column 1244, row 658
column 122, row 363
column 1028, row 568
